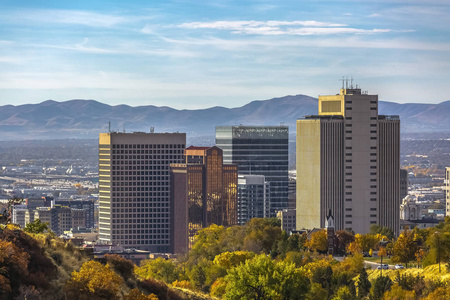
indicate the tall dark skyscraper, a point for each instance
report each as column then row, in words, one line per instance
column 259, row 150
column 204, row 192
column 134, row 187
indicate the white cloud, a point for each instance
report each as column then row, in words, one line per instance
column 280, row 27
column 253, row 24
column 373, row 15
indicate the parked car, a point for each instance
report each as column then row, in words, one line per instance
column 399, row 266
column 383, row 266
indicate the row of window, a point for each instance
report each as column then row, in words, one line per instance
column 146, row 146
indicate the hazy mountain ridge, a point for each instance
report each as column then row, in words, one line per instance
column 86, row 118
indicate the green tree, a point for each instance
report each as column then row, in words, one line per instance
column 363, row 284
column 36, row 227
column 380, row 285
column 404, row 248
column 262, row 278
column 386, row 231
column 439, row 244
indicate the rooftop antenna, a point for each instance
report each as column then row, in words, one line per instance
column 351, row 82
column 109, row 126
column 343, row 79
column 123, row 127
column 152, row 129
column 346, row 82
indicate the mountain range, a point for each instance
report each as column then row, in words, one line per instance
column 86, row 118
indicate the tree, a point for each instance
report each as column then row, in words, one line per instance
column 36, row 227
column 397, row 293
column 381, row 253
column 262, row 278
column 93, row 281
column 122, row 266
column 386, row 231
column 439, row 243
column 13, row 268
column 363, row 284
column 229, row 260
column 343, row 293
column 158, row 268
column 318, row 241
column 136, row 294
column 344, row 238
column 404, row 248
column 380, row 286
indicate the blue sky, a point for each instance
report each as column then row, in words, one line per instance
column 195, row 54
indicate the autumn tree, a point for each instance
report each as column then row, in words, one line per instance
column 404, row 248
column 158, row 268
column 229, row 260
column 318, row 241
column 13, row 268
column 344, row 238
column 397, row 293
column 93, row 281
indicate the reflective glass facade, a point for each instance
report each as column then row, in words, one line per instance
column 211, row 189
column 259, row 150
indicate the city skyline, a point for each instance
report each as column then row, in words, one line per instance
column 189, row 54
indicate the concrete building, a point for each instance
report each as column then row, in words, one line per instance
column 348, row 160
column 134, row 188
column 287, row 218
column 447, row 191
column 204, row 192
column 253, row 198
column 88, row 205
column 259, row 150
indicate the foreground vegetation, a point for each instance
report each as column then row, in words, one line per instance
column 254, row 261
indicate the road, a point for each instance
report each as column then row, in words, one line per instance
column 372, row 265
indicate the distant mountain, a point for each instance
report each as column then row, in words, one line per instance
column 86, row 118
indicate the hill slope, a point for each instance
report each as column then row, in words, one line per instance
column 86, row 118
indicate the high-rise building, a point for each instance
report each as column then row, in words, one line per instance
column 403, row 183
column 134, row 188
column 253, row 198
column 447, row 191
column 204, row 192
column 348, row 160
column 259, row 150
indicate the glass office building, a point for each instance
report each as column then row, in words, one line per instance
column 259, row 150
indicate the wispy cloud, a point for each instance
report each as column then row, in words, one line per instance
column 373, row 15
column 74, row 17
column 81, row 47
column 280, row 27
column 242, row 24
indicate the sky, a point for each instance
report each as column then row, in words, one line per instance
column 197, row 54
